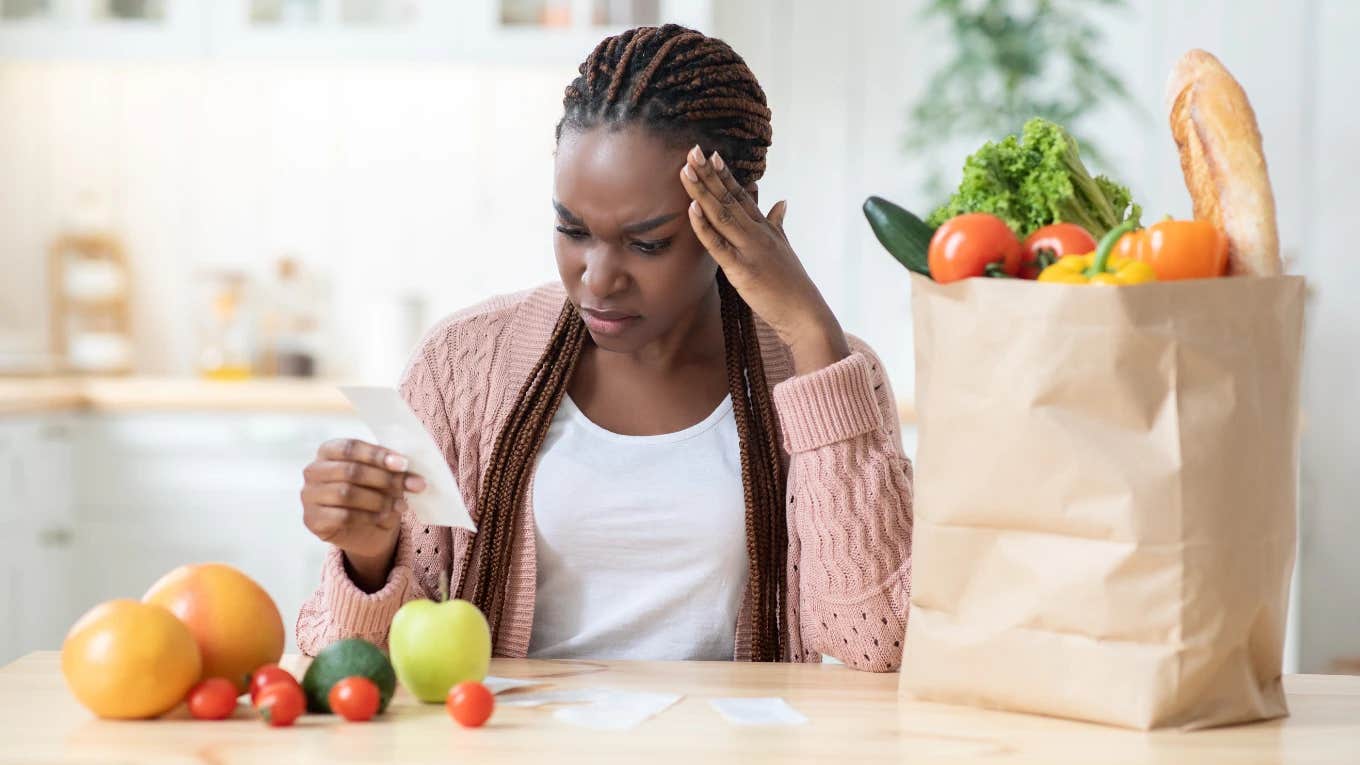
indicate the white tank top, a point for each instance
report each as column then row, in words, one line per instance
column 641, row 541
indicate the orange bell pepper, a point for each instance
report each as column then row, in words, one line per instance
column 1178, row 249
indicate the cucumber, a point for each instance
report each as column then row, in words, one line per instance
column 905, row 236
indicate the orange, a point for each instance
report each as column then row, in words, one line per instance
column 129, row 660
column 236, row 624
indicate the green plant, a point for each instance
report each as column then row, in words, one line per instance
column 1013, row 60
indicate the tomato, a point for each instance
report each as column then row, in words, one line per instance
column 470, row 703
column 966, row 244
column 1058, row 239
column 354, row 698
column 268, row 674
column 1178, row 249
column 213, row 699
column 279, row 704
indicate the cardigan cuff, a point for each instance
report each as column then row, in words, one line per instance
column 358, row 611
column 835, row 403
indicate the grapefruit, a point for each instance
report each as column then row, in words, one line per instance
column 128, row 660
column 236, row 624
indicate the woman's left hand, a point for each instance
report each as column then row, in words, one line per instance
column 755, row 255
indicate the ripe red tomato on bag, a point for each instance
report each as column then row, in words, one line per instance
column 1056, row 239
column 967, row 245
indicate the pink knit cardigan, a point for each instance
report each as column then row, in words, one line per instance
column 849, row 492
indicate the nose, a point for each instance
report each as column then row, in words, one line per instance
column 604, row 274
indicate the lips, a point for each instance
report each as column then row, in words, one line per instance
column 604, row 322
column 607, row 315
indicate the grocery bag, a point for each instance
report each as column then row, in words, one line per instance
column 1105, row 497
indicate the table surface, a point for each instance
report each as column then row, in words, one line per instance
column 854, row 717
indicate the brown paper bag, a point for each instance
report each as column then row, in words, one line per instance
column 1105, row 498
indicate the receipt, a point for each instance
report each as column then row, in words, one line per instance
column 499, row 685
column 617, row 710
column 396, row 427
column 766, row 711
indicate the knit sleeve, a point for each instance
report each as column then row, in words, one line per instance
column 849, row 510
column 425, row 554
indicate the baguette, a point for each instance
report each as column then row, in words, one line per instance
column 1225, row 171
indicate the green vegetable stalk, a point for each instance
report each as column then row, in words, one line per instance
column 1036, row 180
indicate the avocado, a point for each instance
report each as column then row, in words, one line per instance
column 347, row 658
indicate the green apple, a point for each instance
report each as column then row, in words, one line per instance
column 435, row 646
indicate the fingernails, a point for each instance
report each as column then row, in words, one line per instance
column 690, row 174
column 415, row 483
column 698, row 154
column 718, row 163
column 396, row 462
column 400, row 505
column 695, row 209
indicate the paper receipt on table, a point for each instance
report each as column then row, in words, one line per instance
column 396, row 427
column 767, row 711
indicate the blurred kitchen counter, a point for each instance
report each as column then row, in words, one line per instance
column 28, row 395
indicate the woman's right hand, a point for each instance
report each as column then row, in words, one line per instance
column 353, row 496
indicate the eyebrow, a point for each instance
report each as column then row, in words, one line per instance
column 631, row 228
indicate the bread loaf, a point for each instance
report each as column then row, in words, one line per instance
column 1225, row 170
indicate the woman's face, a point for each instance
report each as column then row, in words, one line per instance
column 625, row 250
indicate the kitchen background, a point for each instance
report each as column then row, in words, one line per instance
column 211, row 211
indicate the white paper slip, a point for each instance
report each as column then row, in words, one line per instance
column 502, row 684
column 396, row 427
column 559, row 696
column 765, row 711
column 617, row 710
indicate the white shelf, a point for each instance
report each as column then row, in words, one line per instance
column 76, row 29
column 322, row 30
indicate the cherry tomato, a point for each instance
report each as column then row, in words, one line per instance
column 354, row 698
column 470, row 703
column 966, row 244
column 279, row 704
column 268, row 674
column 212, row 699
column 1058, row 239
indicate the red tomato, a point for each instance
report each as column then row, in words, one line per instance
column 354, row 698
column 966, row 244
column 268, row 674
column 212, row 699
column 470, row 703
column 279, row 704
column 1058, row 239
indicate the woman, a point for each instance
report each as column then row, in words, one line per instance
column 674, row 454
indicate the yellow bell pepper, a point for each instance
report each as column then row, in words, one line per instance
column 1100, row 267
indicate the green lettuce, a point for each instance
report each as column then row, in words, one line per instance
column 1036, row 180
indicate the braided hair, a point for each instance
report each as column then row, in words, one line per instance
column 688, row 89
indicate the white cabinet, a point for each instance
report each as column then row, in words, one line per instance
column 155, row 491
column 496, row 30
column 308, row 29
column 37, row 557
column 95, row 507
column 132, row 29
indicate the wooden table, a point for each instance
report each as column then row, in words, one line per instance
column 855, row 717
